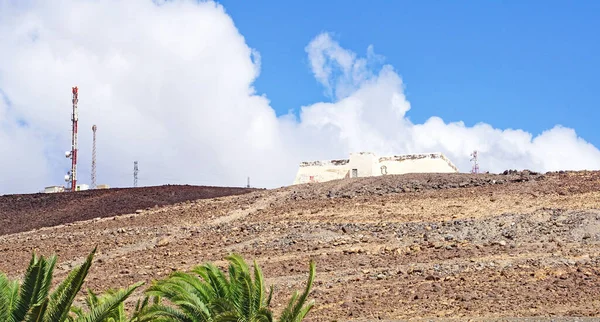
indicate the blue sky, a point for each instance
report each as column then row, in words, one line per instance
column 512, row 64
column 523, row 65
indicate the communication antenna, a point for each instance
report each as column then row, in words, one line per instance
column 475, row 168
column 94, row 128
column 248, row 185
column 71, row 176
column 135, row 173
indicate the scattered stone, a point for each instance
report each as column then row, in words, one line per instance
column 163, row 242
column 354, row 250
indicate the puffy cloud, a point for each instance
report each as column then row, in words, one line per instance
column 170, row 85
column 340, row 71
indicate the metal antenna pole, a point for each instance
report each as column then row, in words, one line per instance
column 94, row 128
column 475, row 168
column 248, row 185
column 135, row 173
column 72, row 176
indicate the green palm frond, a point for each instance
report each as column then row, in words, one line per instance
column 38, row 311
column 264, row 315
column 268, row 303
column 160, row 312
column 141, row 306
column 213, row 277
column 207, row 293
column 77, row 311
column 201, row 290
column 36, row 282
column 91, row 299
column 106, row 306
column 296, row 309
column 64, row 295
column 229, row 316
column 9, row 296
column 4, row 298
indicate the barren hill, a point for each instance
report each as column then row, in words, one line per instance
column 31, row 211
column 386, row 248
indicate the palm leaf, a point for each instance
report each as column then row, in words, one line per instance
column 12, row 293
column 4, row 298
column 62, row 298
column 264, row 315
column 159, row 312
column 270, row 296
column 108, row 305
column 215, row 278
column 259, row 290
column 91, row 299
column 37, row 312
column 27, row 293
column 47, row 278
column 296, row 311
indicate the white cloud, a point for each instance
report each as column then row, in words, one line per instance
column 171, row 86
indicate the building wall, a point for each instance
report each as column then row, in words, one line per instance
column 53, row 189
column 321, row 171
column 368, row 164
column 364, row 163
column 416, row 163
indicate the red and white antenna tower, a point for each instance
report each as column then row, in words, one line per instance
column 94, row 128
column 475, row 168
column 72, row 176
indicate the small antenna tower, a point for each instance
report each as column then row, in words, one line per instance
column 71, row 176
column 475, row 168
column 135, row 173
column 94, row 128
column 248, row 185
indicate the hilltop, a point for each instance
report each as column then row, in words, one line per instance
column 24, row 212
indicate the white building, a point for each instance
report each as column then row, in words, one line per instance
column 367, row 164
column 81, row 187
column 54, row 189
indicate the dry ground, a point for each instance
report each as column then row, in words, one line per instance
column 389, row 248
column 25, row 212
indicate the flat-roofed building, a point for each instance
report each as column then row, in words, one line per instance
column 367, row 164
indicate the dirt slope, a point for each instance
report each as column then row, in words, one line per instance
column 31, row 211
column 387, row 248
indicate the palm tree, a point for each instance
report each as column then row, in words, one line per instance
column 33, row 301
column 210, row 295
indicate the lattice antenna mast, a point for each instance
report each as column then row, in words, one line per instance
column 475, row 168
column 94, row 128
column 71, row 177
column 135, row 173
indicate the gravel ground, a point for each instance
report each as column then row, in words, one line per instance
column 25, row 212
column 460, row 247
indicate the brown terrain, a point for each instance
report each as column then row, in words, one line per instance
column 20, row 213
column 420, row 246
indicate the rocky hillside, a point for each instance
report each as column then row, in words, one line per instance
column 32, row 211
column 386, row 248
